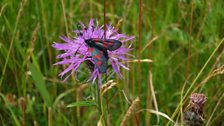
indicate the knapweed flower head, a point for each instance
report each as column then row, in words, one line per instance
column 76, row 50
column 193, row 115
column 197, row 101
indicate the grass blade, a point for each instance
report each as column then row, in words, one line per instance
column 82, row 103
column 40, row 84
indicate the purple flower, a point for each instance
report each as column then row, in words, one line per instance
column 197, row 101
column 76, row 50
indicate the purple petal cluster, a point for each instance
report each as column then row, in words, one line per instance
column 75, row 50
column 197, row 101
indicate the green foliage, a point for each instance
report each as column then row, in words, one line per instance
column 29, row 27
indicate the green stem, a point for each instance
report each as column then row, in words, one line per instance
column 99, row 100
column 100, row 106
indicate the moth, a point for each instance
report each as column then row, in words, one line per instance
column 98, row 50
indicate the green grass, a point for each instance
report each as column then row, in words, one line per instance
column 29, row 27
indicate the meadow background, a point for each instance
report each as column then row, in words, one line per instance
column 184, row 38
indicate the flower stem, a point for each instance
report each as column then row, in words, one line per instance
column 99, row 100
column 100, row 106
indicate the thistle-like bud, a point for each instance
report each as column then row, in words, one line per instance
column 197, row 102
column 193, row 115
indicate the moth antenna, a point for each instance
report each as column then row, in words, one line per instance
column 81, row 35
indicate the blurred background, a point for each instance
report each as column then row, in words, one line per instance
column 182, row 37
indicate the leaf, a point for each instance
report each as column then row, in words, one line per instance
column 40, row 84
column 82, row 103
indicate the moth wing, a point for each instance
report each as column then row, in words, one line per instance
column 100, row 59
column 107, row 44
column 113, row 44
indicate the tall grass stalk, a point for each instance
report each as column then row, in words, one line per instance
column 139, row 56
column 22, row 5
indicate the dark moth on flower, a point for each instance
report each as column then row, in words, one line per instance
column 98, row 50
column 91, row 47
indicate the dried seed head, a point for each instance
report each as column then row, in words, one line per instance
column 22, row 103
column 106, row 87
column 11, row 98
column 130, row 111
